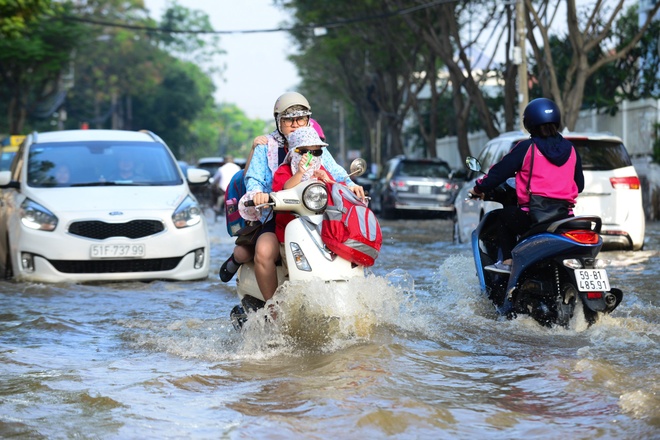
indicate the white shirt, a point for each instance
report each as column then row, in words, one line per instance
column 225, row 173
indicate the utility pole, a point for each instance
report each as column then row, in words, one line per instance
column 520, row 58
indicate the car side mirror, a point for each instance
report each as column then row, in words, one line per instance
column 197, row 176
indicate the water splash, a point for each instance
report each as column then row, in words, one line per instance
column 320, row 316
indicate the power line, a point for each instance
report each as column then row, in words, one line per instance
column 329, row 25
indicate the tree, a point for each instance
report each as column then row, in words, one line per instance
column 170, row 108
column 32, row 67
column 589, row 34
column 16, row 17
column 138, row 79
column 635, row 76
column 371, row 65
column 440, row 27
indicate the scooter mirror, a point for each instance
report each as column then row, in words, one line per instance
column 358, row 167
column 473, row 163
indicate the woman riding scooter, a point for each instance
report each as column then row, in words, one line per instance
column 555, row 172
column 291, row 111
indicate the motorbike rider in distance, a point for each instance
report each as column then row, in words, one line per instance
column 557, row 174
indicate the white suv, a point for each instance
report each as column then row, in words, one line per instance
column 611, row 188
column 100, row 205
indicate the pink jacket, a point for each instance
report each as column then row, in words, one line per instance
column 548, row 180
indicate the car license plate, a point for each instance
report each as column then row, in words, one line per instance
column 424, row 190
column 118, row 250
column 592, row 280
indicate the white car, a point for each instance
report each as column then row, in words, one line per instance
column 100, row 205
column 612, row 189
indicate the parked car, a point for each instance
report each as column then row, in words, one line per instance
column 414, row 186
column 100, row 205
column 612, row 188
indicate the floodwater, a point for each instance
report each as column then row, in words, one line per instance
column 417, row 353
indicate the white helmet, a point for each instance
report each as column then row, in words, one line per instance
column 289, row 99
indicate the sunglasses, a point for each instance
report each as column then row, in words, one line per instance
column 299, row 121
column 315, row 153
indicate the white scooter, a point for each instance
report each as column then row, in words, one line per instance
column 306, row 257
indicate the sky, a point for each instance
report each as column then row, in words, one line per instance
column 257, row 71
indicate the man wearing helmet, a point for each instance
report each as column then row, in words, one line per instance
column 557, row 174
column 291, row 111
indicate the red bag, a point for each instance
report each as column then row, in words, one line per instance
column 350, row 229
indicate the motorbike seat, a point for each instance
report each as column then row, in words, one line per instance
column 589, row 223
column 577, row 224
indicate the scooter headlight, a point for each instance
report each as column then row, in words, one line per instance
column 315, row 197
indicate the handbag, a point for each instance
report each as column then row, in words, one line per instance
column 248, row 234
column 544, row 209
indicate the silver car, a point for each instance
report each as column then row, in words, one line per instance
column 415, row 186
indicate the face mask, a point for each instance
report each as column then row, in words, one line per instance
column 311, row 163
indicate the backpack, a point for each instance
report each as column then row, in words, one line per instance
column 349, row 228
column 235, row 190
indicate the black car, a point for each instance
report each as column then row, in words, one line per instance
column 415, row 186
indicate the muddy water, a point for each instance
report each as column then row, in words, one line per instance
column 416, row 353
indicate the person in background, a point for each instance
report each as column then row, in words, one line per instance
column 62, row 174
column 291, row 112
column 221, row 180
column 557, row 173
column 127, row 168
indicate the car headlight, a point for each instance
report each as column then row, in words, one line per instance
column 35, row 216
column 187, row 214
column 315, row 197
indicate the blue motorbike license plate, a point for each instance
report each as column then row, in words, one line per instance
column 590, row 280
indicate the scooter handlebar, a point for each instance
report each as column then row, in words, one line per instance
column 248, row 203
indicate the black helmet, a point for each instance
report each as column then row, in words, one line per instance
column 541, row 111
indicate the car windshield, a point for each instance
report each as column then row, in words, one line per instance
column 601, row 155
column 100, row 163
column 423, row 169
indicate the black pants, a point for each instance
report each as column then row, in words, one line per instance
column 511, row 223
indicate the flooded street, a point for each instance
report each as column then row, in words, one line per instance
column 427, row 357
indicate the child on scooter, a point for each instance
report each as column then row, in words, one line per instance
column 302, row 162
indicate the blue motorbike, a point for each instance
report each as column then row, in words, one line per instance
column 554, row 267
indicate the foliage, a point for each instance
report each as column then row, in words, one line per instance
column 17, row 15
column 224, row 129
column 170, row 108
column 368, row 66
column 189, row 38
column 637, row 74
column 33, row 69
column 630, row 78
column 89, row 63
column 593, row 46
